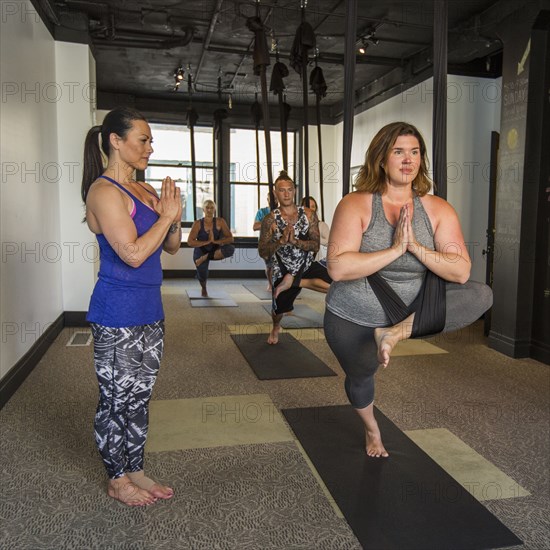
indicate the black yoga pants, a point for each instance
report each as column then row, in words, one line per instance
column 356, row 350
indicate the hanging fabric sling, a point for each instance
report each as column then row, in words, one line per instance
column 277, row 86
column 261, row 61
column 319, row 88
column 439, row 125
column 349, row 92
column 256, row 110
column 192, row 118
column 220, row 115
column 429, row 306
column 303, row 42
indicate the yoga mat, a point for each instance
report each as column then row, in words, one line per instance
column 195, row 294
column 212, row 302
column 302, row 316
column 260, row 291
column 287, row 359
column 404, row 502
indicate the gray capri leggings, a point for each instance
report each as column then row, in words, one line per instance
column 356, row 350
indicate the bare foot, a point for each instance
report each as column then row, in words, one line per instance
column 273, row 337
column 385, row 341
column 201, row 260
column 374, row 445
column 156, row 489
column 127, row 492
column 204, row 292
column 269, row 288
column 285, row 284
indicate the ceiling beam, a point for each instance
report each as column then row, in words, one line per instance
column 208, row 36
column 331, row 58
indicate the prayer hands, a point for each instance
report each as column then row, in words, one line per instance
column 169, row 204
column 404, row 237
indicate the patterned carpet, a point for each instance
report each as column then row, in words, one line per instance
column 257, row 495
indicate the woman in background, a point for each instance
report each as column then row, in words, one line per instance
column 324, row 230
column 211, row 238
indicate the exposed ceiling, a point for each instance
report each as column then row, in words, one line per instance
column 138, row 45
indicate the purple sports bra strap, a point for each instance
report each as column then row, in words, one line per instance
column 118, row 185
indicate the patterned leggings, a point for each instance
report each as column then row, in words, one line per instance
column 127, row 361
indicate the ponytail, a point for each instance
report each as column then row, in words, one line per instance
column 93, row 162
column 118, row 121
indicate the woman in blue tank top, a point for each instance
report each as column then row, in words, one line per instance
column 133, row 226
column 399, row 264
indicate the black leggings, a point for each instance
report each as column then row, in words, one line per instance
column 356, row 350
column 127, row 361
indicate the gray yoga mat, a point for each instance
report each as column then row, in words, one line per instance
column 195, row 294
column 301, row 317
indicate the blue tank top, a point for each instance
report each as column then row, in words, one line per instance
column 127, row 296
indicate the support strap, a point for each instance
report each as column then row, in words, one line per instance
column 319, row 87
column 192, row 118
column 349, row 92
column 277, row 86
column 429, row 306
column 439, row 126
column 299, row 54
column 256, row 110
column 261, row 61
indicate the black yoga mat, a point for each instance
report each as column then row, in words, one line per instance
column 404, row 502
column 287, row 359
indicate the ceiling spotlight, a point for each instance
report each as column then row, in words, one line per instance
column 363, row 47
column 179, row 74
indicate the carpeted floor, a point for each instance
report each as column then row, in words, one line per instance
column 258, row 492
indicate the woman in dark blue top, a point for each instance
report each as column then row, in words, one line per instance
column 211, row 238
column 133, row 226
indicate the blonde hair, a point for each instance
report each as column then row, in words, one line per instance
column 372, row 175
column 208, row 201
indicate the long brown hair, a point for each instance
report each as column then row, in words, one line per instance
column 119, row 122
column 372, row 175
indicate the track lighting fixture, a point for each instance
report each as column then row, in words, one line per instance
column 367, row 39
column 178, row 78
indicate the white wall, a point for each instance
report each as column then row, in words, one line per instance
column 473, row 107
column 75, row 109
column 31, row 292
column 47, row 265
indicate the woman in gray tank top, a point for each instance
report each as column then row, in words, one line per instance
column 399, row 264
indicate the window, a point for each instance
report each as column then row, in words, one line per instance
column 246, row 195
column 172, row 157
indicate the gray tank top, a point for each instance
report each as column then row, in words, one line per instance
column 355, row 300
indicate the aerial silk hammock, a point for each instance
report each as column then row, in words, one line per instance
column 439, row 126
column 277, row 86
column 319, row 88
column 299, row 53
column 256, row 110
column 349, row 91
column 192, row 118
column 220, row 115
column 261, row 61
